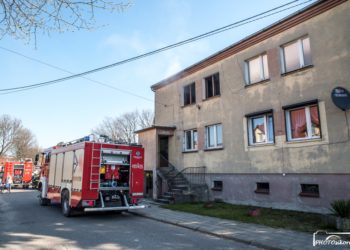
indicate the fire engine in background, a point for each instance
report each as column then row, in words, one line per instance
column 90, row 174
column 20, row 172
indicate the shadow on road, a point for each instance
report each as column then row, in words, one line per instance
column 26, row 223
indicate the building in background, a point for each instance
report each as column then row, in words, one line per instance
column 259, row 116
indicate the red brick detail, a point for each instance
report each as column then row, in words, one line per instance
column 279, row 123
column 201, row 136
column 273, row 59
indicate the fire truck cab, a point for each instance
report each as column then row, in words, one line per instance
column 92, row 175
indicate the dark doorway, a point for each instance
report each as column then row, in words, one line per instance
column 148, row 184
column 163, row 151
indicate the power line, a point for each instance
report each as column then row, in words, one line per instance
column 204, row 35
column 67, row 71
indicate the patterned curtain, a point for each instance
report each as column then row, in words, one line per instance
column 315, row 120
column 298, row 123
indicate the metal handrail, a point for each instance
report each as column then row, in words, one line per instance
column 169, row 163
column 193, row 175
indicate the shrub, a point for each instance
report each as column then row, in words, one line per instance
column 341, row 208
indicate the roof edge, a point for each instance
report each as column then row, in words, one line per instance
column 155, row 127
column 275, row 28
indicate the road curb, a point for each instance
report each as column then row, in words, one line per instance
column 247, row 242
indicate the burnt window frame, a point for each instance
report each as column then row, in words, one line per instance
column 212, row 86
column 191, row 89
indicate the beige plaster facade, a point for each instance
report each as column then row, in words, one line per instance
column 284, row 164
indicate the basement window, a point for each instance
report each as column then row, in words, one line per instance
column 217, row 186
column 262, row 188
column 310, row 190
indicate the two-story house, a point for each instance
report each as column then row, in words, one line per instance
column 259, row 114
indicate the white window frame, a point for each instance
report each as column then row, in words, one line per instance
column 263, row 75
column 250, row 129
column 194, row 147
column 300, row 54
column 216, row 145
column 308, row 124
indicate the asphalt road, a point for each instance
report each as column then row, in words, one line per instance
column 26, row 225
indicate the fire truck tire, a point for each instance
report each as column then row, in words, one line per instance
column 66, row 209
column 44, row 201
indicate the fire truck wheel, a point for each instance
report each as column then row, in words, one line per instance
column 66, row 209
column 43, row 201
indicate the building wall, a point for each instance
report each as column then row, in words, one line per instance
column 284, row 190
column 147, row 140
column 330, row 51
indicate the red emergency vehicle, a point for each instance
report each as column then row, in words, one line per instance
column 92, row 175
column 20, row 172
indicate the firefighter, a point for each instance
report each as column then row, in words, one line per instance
column 9, row 183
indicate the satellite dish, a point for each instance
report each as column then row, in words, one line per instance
column 341, row 98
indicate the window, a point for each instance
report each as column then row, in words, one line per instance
column 211, row 86
column 213, row 136
column 260, row 129
column 303, row 123
column 217, row 186
column 189, row 94
column 256, row 69
column 296, row 55
column 310, row 190
column 262, row 187
column 190, row 140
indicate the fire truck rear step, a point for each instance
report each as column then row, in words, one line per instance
column 103, row 208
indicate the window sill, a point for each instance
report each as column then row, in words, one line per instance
column 291, row 141
column 190, row 151
column 248, row 85
column 213, row 149
column 262, row 191
column 188, row 105
column 216, row 189
column 297, row 70
column 311, row 195
column 211, row 98
column 261, row 145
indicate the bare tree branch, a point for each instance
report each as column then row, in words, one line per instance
column 24, row 18
column 9, row 128
column 122, row 128
column 24, row 144
column 146, row 119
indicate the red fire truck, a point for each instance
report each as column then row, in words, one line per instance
column 20, row 172
column 92, row 175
